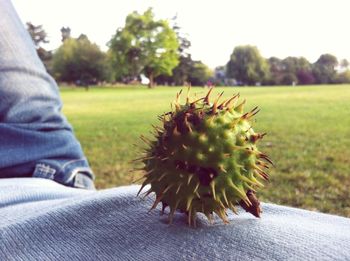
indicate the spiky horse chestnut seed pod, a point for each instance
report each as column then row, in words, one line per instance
column 204, row 159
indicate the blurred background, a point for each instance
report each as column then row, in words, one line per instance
column 119, row 64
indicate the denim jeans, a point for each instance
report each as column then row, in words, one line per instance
column 43, row 220
column 35, row 138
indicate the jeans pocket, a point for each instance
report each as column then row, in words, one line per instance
column 73, row 173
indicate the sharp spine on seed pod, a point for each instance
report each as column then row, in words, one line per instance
column 204, row 159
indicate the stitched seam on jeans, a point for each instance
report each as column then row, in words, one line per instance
column 16, row 69
column 72, row 161
column 28, row 126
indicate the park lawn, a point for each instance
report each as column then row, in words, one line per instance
column 308, row 137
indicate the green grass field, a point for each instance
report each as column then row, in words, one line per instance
column 308, row 137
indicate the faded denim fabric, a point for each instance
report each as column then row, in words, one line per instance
column 43, row 220
column 35, row 138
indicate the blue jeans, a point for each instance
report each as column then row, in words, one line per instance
column 35, row 138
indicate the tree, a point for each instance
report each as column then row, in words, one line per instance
column 39, row 37
column 180, row 73
column 247, row 66
column 305, row 77
column 199, row 74
column 343, row 77
column 188, row 71
column 324, row 69
column 296, row 70
column 276, row 71
column 37, row 34
column 344, row 63
column 144, row 45
column 291, row 70
column 79, row 60
column 65, row 33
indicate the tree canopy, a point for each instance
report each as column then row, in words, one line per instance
column 65, row 33
column 291, row 70
column 247, row 66
column 37, row 34
column 324, row 69
column 144, row 45
column 77, row 59
column 39, row 37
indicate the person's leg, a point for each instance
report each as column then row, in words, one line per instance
column 35, row 138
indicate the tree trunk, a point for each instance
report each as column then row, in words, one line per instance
column 151, row 81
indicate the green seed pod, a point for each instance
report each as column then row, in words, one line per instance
column 204, row 159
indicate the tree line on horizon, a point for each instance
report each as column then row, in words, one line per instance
column 159, row 51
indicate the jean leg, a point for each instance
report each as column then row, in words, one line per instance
column 35, row 138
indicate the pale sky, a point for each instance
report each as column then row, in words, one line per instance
column 279, row 28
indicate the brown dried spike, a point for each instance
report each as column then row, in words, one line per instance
column 239, row 107
column 143, row 158
column 254, row 109
column 262, row 174
column 254, row 208
column 206, row 98
column 254, row 112
column 142, row 186
column 256, row 136
column 263, row 134
column 156, row 202
column 145, row 140
column 250, row 114
column 265, row 157
column 196, row 101
column 178, row 96
column 215, row 105
column 231, row 99
column 187, row 124
column 137, row 180
column 147, row 193
column 222, row 105
column 262, row 164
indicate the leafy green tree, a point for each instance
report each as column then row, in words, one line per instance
column 288, row 79
column 305, row 77
column 143, row 45
column 296, row 70
column 37, row 34
column 39, row 37
column 276, row 71
column 65, row 33
column 343, row 77
column 199, row 74
column 79, row 60
column 247, row 66
column 291, row 70
column 181, row 72
column 324, row 69
column 188, row 71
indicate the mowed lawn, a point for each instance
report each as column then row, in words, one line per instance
column 308, row 137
